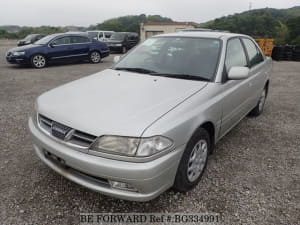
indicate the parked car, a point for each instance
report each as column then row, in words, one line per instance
column 57, row 48
column 150, row 122
column 100, row 35
column 30, row 39
column 123, row 41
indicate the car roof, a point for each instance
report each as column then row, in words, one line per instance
column 70, row 34
column 202, row 34
column 100, row 31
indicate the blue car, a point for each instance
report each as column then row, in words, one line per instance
column 59, row 47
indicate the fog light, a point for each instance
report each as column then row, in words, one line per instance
column 122, row 186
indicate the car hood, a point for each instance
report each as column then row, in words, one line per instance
column 23, row 48
column 115, row 102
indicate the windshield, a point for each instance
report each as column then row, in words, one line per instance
column 118, row 36
column 178, row 57
column 29, row 37
column 45, row 40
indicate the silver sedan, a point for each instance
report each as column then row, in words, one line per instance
column 150, row 122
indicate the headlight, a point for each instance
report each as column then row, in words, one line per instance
column 18, row 53
column 131, row 146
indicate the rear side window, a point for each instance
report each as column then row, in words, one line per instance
column 235, row 55
column 62, row 41
column 78, row 40
column 255, row 56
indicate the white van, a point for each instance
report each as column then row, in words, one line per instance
column 100, row 35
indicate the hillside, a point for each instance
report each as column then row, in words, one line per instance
column 129, row 23
column 281, row 24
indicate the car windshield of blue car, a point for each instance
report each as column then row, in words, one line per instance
column 44, row 40
column 29, row 37
column 175, row 57
column 117, row 36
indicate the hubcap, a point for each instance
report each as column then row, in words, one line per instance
column 197, row 160
column 262, row 100
column 39, row 61
column 95, row 57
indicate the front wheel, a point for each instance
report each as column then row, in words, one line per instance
column 258, row 109
column 95, row 57
column 38, row 61
column 193, row 161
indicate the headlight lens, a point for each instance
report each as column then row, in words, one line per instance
column 18, row 53
column 131, row 146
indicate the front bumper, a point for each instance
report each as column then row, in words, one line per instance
column 113, row 48
column 149, row 178
column 17, row 59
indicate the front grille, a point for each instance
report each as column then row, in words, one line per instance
column 65, row 133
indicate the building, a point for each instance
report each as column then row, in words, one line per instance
column 154, row 28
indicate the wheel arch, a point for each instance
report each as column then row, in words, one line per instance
column 210, row 128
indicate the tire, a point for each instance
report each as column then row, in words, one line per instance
column 95, row 57
column 38, row 61
column 194, row 155
column 124, row 50
column 258, row 109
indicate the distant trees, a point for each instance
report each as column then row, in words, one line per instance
column 293, row 25
column 23, row 32
column 129, row 23
column 280, row 24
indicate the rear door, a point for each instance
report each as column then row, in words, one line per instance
column 236, row 92
column 60, row 48
column 258, row 71
column 80, row 47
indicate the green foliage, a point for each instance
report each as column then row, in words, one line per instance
column 128, row 23
column 293, row 25
column 23, row 32
column 280, row 24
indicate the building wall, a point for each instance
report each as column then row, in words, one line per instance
column 151, row 30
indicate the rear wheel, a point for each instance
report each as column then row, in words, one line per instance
column 95, row 57
column 258, row 109
column 193, row 161
column 38, row 61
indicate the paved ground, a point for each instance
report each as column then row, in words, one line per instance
column 253, row 178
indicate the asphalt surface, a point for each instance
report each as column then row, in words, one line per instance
column 253, row 178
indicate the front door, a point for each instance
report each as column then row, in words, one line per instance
column 60, row 48
column 236, row 93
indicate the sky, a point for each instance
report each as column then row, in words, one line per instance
column 87, row 12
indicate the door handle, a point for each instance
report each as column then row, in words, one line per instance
column 250, row 84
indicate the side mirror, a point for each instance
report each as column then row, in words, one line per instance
column 238, row 73
column 51, row 45
column 117, row 58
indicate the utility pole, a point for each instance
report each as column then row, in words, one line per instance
column 250, row 5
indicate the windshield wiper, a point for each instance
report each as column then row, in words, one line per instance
column 181, row 76
column 135, row 69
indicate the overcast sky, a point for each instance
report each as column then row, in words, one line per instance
column 86, row 12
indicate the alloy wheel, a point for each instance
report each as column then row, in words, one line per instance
column 95, row 57
column 39, row 61
column 197, row 160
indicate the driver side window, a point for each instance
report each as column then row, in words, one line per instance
column 235, row 54
column 62, row 41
